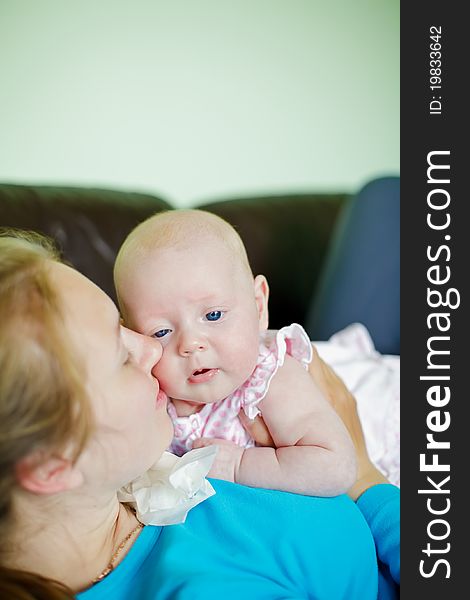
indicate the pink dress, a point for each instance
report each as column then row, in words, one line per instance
column 220, row 419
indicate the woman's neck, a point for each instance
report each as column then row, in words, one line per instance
column 71, row 542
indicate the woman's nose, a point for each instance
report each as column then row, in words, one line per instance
column 145, row 350
column 152, row 354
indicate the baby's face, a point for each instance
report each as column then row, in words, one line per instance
column 204, row 310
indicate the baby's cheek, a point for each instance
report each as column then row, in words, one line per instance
column 243, row 356
column 161, row 371
column 166, row 375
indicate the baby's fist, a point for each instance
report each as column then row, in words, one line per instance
column 227, row 460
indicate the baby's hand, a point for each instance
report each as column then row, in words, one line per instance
column 257, row 429
column 227, row 460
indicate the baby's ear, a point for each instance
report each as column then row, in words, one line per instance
column 262, row 296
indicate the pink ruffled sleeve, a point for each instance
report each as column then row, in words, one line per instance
column 292, row 340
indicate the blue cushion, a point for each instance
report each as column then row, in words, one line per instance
column 360, row 281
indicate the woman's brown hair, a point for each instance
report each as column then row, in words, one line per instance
column 43, row 404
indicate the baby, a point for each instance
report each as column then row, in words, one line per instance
column 184, row 278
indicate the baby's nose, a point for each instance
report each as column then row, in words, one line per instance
column 188, row 344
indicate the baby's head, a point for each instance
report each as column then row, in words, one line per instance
column 184, row 278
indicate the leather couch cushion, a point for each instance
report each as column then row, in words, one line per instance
column 88, row 224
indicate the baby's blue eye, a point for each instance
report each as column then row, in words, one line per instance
column 214, row 315
column 161, row 333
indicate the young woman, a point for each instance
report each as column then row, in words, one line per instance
column 81, row 415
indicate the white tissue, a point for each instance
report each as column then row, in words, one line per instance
column 171, row 487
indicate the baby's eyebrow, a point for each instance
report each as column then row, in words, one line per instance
column 211, row 300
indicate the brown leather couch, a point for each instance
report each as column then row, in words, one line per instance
column 286, row 236
column 330, row 259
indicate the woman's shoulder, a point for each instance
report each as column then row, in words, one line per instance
column 285, row 538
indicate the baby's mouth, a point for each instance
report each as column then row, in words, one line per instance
column 202, row 375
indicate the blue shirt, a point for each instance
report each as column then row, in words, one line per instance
column 247, row 543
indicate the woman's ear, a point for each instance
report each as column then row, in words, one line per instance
column 47, row 475
column 262, row 296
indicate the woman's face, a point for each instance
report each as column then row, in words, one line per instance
column 132, row 427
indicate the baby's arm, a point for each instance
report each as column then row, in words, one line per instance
column 313, row 452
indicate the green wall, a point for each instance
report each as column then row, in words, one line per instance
column 199, row 99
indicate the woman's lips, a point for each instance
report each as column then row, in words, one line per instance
column 162, row 399
column 203, row 375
